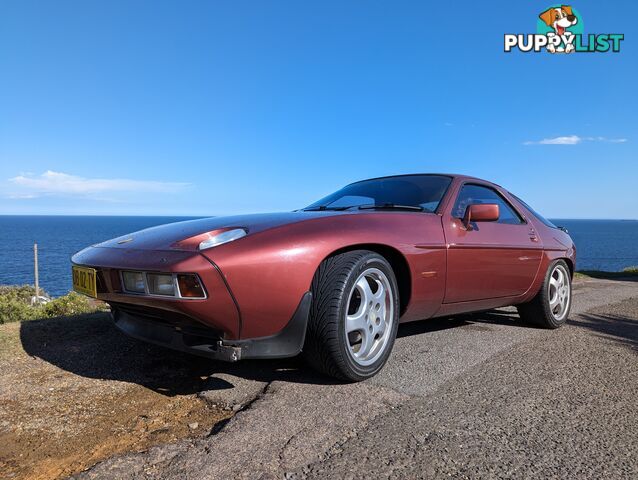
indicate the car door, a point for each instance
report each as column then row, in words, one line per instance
column 488, row 259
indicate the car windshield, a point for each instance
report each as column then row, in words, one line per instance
column 418, row 192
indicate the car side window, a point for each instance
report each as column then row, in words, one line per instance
column 471, row 194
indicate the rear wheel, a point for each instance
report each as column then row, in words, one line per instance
column 550, row 307
column 354, row 315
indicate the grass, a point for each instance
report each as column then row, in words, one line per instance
column 625, row 273
column 15, row 305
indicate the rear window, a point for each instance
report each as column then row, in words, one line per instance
column 534, row 212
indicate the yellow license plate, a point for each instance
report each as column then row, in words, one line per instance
column 84, row 280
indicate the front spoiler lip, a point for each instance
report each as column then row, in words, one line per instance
column 168, row 336
column 286, row 343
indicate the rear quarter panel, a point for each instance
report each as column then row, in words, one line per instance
column 556, row 245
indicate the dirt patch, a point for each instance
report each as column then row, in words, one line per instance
column 74, row 391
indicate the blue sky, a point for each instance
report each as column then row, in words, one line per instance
column 206, row 108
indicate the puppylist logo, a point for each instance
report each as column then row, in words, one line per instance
column 560, row 30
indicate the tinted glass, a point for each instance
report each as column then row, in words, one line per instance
column 415, row 190
column 534, row 212
column 476, row 195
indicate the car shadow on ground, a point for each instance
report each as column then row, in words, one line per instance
column 430, row 325
column 622, row 329
column 617, row 327
column 500, row 316
column 91, row 346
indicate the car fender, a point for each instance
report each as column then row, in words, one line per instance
column 270, row 271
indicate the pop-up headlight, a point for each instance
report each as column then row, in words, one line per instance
column 221, row 238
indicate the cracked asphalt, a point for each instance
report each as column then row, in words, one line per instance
column 478, row 396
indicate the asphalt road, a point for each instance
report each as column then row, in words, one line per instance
column 476, row 396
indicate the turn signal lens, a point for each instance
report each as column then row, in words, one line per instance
column 133, row 282
column 189, row 286
column 160, row 284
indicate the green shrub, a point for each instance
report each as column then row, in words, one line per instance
column 624, row 273
column 15, row 304
column 70, row 304
column 22, row 293
column 14, row 310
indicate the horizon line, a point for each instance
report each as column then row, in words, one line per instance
column 207, row 216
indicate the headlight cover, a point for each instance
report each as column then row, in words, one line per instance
column 221, row 238
column 161, row 284
column 134, row 282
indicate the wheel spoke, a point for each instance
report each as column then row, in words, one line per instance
column 559, row 278
column 379, row 295
column 366, row 292
column 357, row 321
column 554, row 282
column 380, row 329
column 555, row 300
column 367, row 340
column 382, row 312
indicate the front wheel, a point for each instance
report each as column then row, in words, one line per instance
column 354, row 316
column 550, row 307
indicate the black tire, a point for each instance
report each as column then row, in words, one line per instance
column 327, row 347
column 538, row 311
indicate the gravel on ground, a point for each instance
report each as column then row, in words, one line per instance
column 74, row 391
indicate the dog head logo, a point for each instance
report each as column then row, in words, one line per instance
column 559, row 23
column 559, row 18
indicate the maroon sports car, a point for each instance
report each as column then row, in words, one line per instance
column 334, row 280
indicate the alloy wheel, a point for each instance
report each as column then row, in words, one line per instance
column 369, row 316
column 559, row 292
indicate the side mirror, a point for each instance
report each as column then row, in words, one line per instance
column 485, row 212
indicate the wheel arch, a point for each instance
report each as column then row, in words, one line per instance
column 397, row 261
column 570, row 265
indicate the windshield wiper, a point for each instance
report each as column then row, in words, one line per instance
column 394, row 206
column 370, row 206
column 322, row 208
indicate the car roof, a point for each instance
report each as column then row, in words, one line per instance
column 450, row 175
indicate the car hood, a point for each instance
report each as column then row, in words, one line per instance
column 175, row 236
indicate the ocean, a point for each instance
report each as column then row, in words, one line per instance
column 601, row 244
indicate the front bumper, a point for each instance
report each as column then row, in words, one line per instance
column 208, row 343
column 217, row 312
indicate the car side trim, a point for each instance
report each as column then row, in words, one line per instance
column 430, row 246
column 495, row 246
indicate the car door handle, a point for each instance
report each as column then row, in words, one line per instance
column 532, row 235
